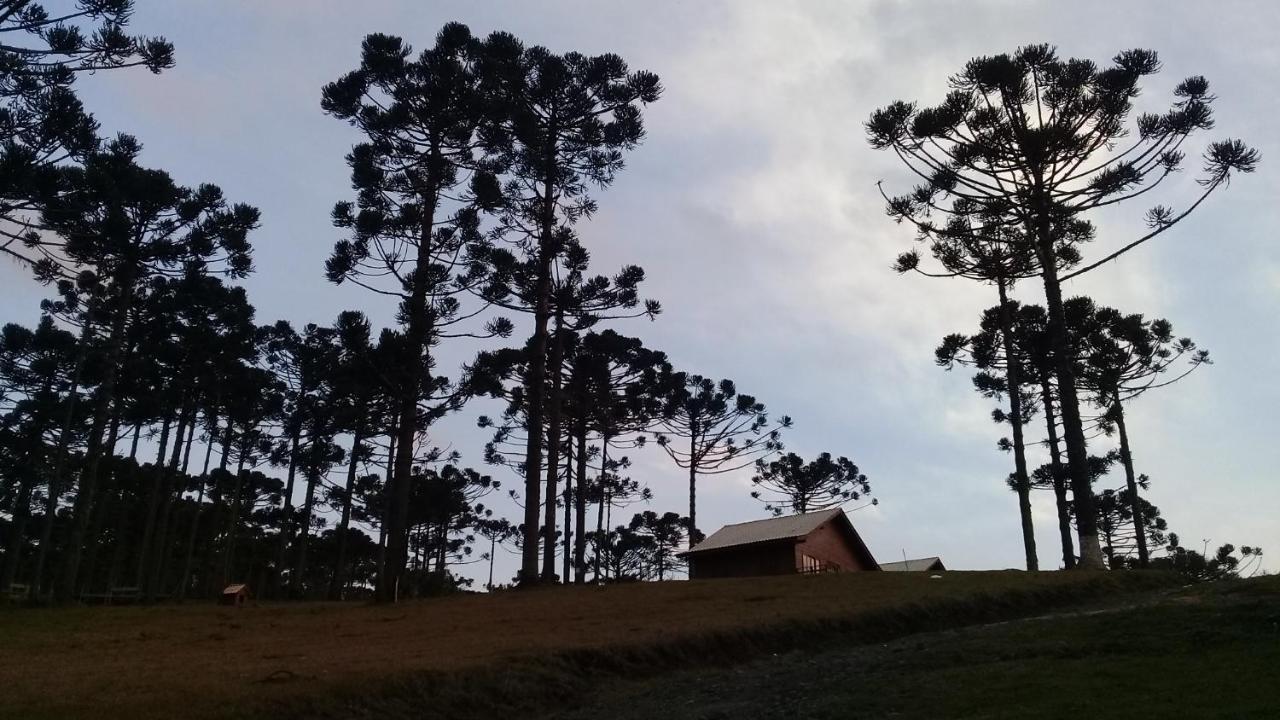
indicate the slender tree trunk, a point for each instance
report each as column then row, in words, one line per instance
column 493, row 548
column 153, row 496
column 56, row 481
column 567, row 543
column 1131, row 481
column 553, row 454
column 601, row 540
column 233, row 522
column 192, row 532
column 1059, row 478
column 340, row 567
column 1072, row 427
column 103, row 509
column 535, row 382
column 304, row 535
column 418, row 337
column 580, row 507
column 85, row 493
column 124, row 514
column 694, row 535
column 384, row 512
column 161, row 556
column 286, row 518
column 1022, row 481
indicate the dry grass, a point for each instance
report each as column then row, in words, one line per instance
column 207, row 661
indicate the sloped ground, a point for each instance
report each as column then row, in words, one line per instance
column 1213, row 652
column 483, row 655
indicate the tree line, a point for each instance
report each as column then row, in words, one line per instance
column 158, row 440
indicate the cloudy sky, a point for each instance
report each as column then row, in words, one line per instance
column 752, row 205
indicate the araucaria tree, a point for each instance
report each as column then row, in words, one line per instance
column 1033, row 144
column 1000, row 359
column 790, row 485
column 43, row 125
column 562, row 124
column 1124, row 356
column 710, row 429
column 420, row 188
column 120, row 226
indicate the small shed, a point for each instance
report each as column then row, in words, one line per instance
column 234, row 595
column 929, row 564
column 813, row 542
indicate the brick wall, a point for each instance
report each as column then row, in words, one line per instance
column 828, row 544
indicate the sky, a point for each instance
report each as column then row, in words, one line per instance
column 752, row 205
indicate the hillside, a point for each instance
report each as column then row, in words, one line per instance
column 344, row 659
column 1208, row 653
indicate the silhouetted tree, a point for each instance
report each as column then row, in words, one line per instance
column 1124, row 356
column 563, row 122
column 420, row 187
column 1037, row 143
column 44, row 123
column 709, row 428
column 799, row 487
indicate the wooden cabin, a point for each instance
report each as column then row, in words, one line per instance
column 815, row 542
column 234, row 595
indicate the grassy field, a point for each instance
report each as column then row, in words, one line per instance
column 523, row 651
column 1210, row 653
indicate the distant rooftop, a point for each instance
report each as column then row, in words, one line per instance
column 917, row 565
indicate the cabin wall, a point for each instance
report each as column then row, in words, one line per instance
column 829, row 545
column 744, row 561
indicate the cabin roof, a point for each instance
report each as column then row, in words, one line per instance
column 914, row 565
column 788, row 527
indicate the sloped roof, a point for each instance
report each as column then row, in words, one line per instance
column 758, row 531
column 915, row 565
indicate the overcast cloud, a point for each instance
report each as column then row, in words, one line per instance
column 752, row 205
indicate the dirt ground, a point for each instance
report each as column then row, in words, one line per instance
column 200, row 659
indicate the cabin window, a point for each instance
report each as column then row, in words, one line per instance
column 810, row 564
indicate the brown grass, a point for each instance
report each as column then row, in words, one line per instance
column 208, row 661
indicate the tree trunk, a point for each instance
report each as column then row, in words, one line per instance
column 103, row 509
column 124, row 514
column 535, row 382
column 1059, row 478
column 304, row 535
column 60, row 461
column 567, row 544
column 384, row 511
column 553, row 454
column 1131, row 481
column 418, row 339
column 85, row 493
column 233, row 522
column 694, row 535
column 580, row 507
column 1013, row 378
column 340, row 567
column 185, row 582
column 1073, row 429
column 493, row 548
column 161, row 556
column 144, row 547
column 286, row 518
